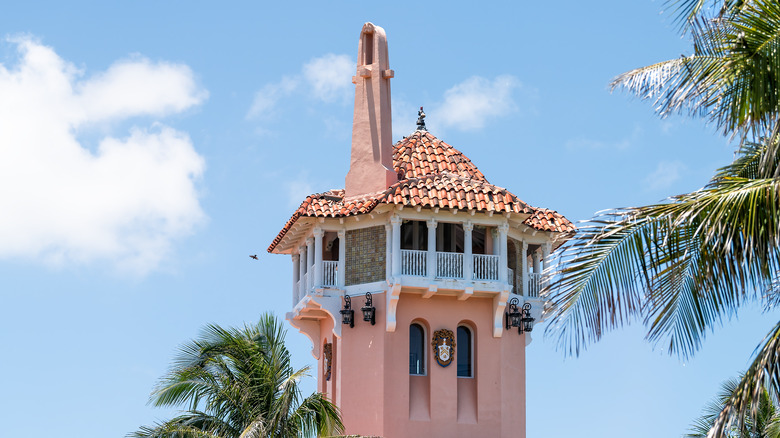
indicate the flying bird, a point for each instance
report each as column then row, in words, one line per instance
column 254, row 257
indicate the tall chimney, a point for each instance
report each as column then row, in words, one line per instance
column 371, row 165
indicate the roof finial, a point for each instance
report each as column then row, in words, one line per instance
column 421, row 120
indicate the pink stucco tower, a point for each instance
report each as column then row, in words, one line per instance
column 441, row 252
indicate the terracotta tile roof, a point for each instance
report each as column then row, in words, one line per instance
column 549, row 220
column 446, row 190
column 421, row 154
column 433, row 175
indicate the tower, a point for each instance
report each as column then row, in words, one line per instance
column 433, row 253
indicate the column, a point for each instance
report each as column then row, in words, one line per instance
column 318, row 233
column 431, row 248
column 302, row 288
column 502, row 257
column 388, row 253
column 309, row 263
column 395, row 221
column 468, row 258
column 546, row 248
column 296, row 277
column 342, row 259
column 524, row 261
column 536, row 261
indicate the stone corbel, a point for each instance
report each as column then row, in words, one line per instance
column 499, row 304
column 467, row 292
column 331, row 305
column 393, row 295
column 310, row 329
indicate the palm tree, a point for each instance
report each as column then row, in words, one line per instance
column 765, row 423
column 682, row 265
column 239, row 383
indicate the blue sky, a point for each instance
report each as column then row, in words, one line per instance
column 147, row 148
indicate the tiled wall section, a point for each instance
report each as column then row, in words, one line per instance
column 365, row 260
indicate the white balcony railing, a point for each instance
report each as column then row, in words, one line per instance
column 449, row 265
column 298, row 292
column 330, row 273
column 306, row 284
column 485, row 267
column 414, row 262
column 534, row 284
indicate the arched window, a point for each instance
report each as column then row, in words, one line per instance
column 464, row 352
column 416, row 350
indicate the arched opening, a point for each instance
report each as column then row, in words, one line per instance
column 466, row 353
column 465, row 356
column 416, row 350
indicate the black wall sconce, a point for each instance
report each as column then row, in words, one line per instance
column 516, row 318
column 347, row 314
column 528, row 322
column 369, row 311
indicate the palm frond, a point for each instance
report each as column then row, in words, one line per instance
column 682, row 265
column 238, row 383
column 732, row 78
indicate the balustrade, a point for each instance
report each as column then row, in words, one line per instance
column 449, row 265
column 534, row 284
column 414, row 262
column 485, row 267
column 330, row 273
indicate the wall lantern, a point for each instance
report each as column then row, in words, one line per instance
column 369, row 311
column 528, row 322
column 521, row 319
column 512, row 316
column 347, row 314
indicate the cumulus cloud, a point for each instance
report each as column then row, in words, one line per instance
column 264, row 103
column 664, row 175
column 126, row 201
column 330, row 76
column 298, row 189
column 584, row 143
column 327, row 78
column 466, row 106
column 470, row 104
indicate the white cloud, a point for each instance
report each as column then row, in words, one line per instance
column 470, row 104
column 264, row 103
column 126, row 201
column 327, row 79
column 664, row 175
column 584, row 143
column 330, row 76
column 298, row 189
column 467, row 106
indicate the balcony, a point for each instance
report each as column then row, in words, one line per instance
column 534, row 284
column 449, row 265
column 330, row 273
column 414, row 262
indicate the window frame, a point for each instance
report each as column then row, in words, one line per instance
column 423, row 355
column 471, row 351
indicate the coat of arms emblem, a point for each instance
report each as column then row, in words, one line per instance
column 443, row 346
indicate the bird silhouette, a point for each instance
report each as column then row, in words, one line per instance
column 254, row 257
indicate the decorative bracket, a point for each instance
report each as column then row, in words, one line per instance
column 499, row 304
column 393, row 295
column 467, row 292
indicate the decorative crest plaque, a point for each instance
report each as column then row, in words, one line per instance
column 443, row 346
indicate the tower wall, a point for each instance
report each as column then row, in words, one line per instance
column 379, row 397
